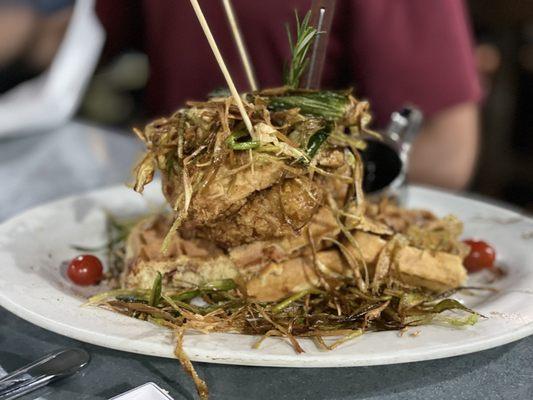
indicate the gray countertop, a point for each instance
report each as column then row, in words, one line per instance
column 80, row 157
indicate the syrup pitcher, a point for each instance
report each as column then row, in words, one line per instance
column 386, row 161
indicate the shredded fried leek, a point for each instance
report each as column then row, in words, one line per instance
column 293, row 128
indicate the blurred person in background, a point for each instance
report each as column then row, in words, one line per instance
column 30, row 34
column 393, row 53
column 48, row 52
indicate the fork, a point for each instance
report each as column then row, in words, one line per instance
column 53, row 366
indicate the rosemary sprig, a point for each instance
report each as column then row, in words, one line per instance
column 305, row 36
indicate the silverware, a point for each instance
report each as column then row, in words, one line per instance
column 53, row 366
column 321, row 18
column 239, row 42
column 386, row 161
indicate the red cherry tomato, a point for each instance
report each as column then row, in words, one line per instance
column 482, row 255
column 85, row 270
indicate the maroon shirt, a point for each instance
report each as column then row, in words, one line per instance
column 391, row 52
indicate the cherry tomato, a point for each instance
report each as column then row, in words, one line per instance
column 482, row 255
column 85, row 270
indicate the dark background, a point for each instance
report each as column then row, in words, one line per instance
column 504, row 36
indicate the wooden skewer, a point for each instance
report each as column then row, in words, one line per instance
column 222, row 65
column 237, row 36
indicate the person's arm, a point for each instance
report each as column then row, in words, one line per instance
column 31, row 32
column 420, row 52
column 29, row 38
column 445, row 152
column 17, row 25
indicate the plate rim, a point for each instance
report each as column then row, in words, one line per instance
column 113, row 342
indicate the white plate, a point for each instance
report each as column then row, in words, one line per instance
column 34, row 245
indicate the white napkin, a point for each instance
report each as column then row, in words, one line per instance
column 148, row 391
column 50, row 99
